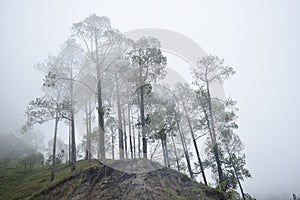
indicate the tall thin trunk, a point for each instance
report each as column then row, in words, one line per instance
column 144, row 139
column 101, row 148
column 133, row 134
column 239, row 182
column 164, row 152
column 175, row 151
column 242, row 191
column 195, row 143
column 129, row 131
column 200, row 162
column 125, row 135
column 87, row 132
column 112, row 143
column 54, row 148
column 187, row 157
column 154, row 150
column 101, row 155
column 139, row 138
column 73, row 159
column 214, row 141
column 216, row 153
column 120, row 126
column 89, row 141
column 73, row 153
column 167, row 153
column 235, row 172
column 70, row 145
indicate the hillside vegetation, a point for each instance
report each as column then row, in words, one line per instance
column 94, row 180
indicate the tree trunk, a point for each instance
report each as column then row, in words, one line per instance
column 139, row 139
column 200, row 162
column 144, row 140
column 101, row 155
column 87, row 132
column 101, row 148
column 54, row 148
column 187, row 157
column 112, row 143
column 175, row 151
column 164, row 152
column 241, row 188
column 154, row 150
column 216, row 153
column 133, row 134
column 120, row 129
column 73, row 153
column 125, row 135
column 214, row 141
column 129, row 131
column 236, row 175
column 167, row 153
column 70, row 145
column 215, row 146
column 195, row 144
column 89, row 141
column 73, row 160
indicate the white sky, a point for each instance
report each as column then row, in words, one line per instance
column 260, row 39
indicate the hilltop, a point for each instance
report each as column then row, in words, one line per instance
column 127, row 179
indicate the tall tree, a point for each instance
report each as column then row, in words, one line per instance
column 58, row 101
column 211, row 70
column 129, row 128
column 71, row 60
column 42, row 110
column 84, row 96
column 165, row 121
column 178, row 115
column 67, row 63
column 162, row 120
column 96, row 38
column 111, row 123
column 186, row 97
column 148, row 65
column 118, row 72
column 232, row 147
column 184, row 145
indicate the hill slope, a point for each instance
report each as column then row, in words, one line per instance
column 99, row 181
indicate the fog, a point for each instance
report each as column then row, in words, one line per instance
column 259, row 39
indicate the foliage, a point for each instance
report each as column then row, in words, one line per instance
column 211, row 69
column 147, row 61
column 15, row 147
column 31, row 160
column 62, row 150
column 44, row 109
column 99, row 71
column 230, row 146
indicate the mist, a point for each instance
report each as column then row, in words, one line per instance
column 260, row 40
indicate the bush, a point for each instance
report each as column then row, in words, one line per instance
column 30, row 161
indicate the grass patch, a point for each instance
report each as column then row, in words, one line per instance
column 19, row 183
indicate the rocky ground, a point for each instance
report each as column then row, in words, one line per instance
column 130, row 179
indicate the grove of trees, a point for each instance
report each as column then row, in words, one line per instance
column 110, row 86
